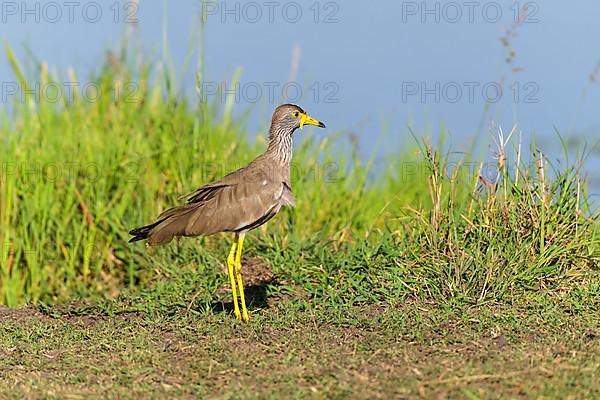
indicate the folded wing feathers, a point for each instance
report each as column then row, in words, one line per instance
column 234, row 207
column 244, row 199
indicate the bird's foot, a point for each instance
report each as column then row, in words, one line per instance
column 245, row 316
column 237, row 314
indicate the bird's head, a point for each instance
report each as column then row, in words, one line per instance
column 289, row 117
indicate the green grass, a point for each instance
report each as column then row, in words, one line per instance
column 77, row 176
column 397, row 285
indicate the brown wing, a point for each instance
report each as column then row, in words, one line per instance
column 202, row 194
column 236, row 208
column 240, row 201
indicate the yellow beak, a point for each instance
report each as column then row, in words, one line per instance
column 306, row 120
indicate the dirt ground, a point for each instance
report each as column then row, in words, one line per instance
column 366, row 352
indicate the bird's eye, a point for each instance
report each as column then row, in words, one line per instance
column 296, row 114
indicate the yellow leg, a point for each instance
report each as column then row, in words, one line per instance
column 238, row 271
column 230, row 269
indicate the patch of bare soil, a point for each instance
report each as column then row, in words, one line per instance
column 257, row 271
column 22, row 314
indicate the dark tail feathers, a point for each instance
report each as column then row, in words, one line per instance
column 142, row 233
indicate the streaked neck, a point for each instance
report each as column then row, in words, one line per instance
column 280, row 146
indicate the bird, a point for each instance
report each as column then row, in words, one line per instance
column 239, row 202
